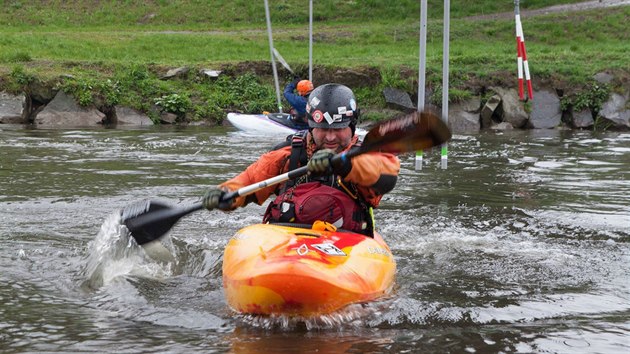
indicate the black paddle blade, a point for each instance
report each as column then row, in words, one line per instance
column 149, row 220
column 412, row 132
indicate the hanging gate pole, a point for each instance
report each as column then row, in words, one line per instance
column 273, row 59
column 310, row 40
column 445, row 82
column 422, row 68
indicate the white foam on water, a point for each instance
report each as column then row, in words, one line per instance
column 352, row 316
column 598, row 162
column 113, row 254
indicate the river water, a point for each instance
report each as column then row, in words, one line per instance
column 521, row 245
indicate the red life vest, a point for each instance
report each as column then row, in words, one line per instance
column 313, row 201
column 302, row 202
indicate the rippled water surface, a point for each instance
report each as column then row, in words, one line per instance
column 521, row 245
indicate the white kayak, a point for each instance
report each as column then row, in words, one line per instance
column 271, row 123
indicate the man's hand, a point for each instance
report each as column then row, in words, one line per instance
column 320, row 163
column 213, row 199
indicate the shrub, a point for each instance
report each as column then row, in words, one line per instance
column 21, row 77
column 90, row 91
column 174, row 103
column 592, row 97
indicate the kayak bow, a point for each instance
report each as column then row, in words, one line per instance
column 272, row 269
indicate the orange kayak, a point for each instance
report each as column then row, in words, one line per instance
column 272, row 269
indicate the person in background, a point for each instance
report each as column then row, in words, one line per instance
column 298, row 101
column 345, row 193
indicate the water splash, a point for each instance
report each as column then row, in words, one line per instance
column 114, row 254
column 352, row 316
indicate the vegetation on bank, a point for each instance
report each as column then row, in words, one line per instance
column 112, row 52
column 222, row 14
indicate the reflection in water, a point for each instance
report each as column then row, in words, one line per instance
column 522, row 244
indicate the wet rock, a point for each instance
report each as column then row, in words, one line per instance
column 168, row 118
column 616, row 110
column 472, row 105
column 63, row 110
column 513, row 110
column 582, row 119
column 130, row 116
column 11, row 108
column 397, row 99
column 546, row 111
column 462, row 122
column 463, row 117
column 488, row 110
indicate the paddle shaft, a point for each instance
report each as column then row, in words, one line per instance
column 174, row 214
column 298, row 172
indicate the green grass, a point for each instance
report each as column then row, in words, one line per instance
column 593, row 44
column 108, row 40
column 198, row 14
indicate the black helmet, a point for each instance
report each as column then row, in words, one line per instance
column 332, row 106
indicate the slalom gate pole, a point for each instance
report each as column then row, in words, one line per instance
column 528, row 79
column 422, row 68
column 310, row 41
column 522, row 53
column 273, row 59
column 445, row 81
column 519, row 55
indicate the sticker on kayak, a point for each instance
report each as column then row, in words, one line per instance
column 329, row 249
column 302, row 250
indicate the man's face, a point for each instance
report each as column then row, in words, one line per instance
column 334, row 139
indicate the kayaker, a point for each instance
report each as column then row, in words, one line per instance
column 342, row 195
column 298, row 101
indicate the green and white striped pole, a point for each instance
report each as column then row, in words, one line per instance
column 445, row 82
column 422, row 67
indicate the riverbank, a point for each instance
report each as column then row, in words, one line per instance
column 579, row 62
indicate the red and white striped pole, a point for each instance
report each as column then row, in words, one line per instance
column 522, row 57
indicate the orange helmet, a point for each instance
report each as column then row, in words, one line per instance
column 304, row 87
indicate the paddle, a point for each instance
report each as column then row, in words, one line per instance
column 150, row 220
